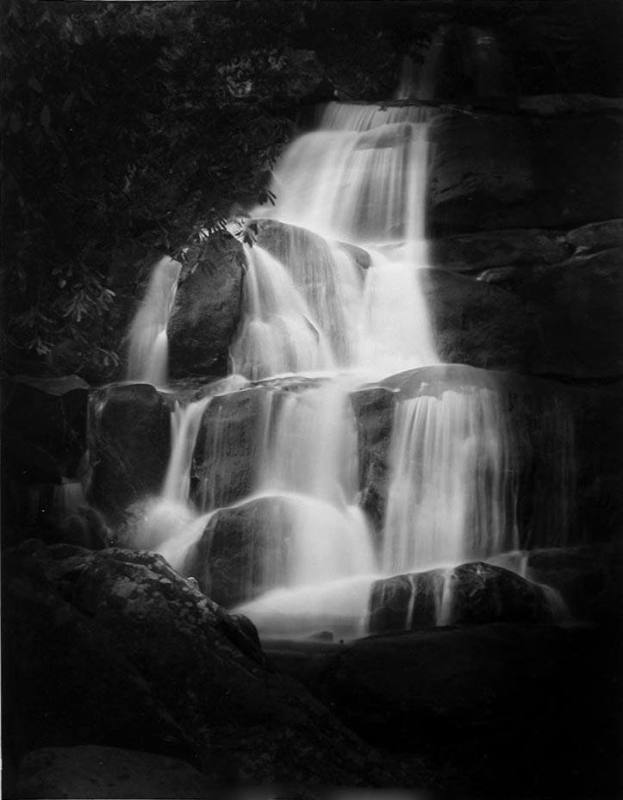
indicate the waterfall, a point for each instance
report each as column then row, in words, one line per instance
column 450, row 498
column 279, row 333
column 148, row 351
column 331, row 302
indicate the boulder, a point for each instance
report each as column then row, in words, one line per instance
column 116, row 649
column 107, row 772
column 471, row 594
column 241, row 553
column 207, row 308
column 129, row 444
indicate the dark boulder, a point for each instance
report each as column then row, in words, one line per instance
column 471, row 594
column 242, row 552
column 207, row 308
column 116, row 649
column 129, row 445
column 107, row 772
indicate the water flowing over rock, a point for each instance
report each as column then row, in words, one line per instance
column 348, row 454
column 148, row 356
column 474, row 593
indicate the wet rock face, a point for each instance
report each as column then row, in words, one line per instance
column 115, row 648
column 129, row 444
column 223, row 468
column 241, row 554
column 207, row 308
column 471, row 594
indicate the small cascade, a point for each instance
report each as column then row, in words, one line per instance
column 279, row 333
column 308, row 470
column 451, row 497
column 148, row 350
column 185, row 421
column 353, row 178
column 310, row 444
column 328, row 278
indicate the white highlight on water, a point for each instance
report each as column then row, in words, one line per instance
column 148, row 343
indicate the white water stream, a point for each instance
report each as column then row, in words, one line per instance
column 311, row 311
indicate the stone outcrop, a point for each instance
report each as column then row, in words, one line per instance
column 241, row 553
column 116, row 649
column 129, row 444
column 207, row 308
column 471, row 594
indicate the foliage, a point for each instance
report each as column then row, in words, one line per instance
column 141, row 123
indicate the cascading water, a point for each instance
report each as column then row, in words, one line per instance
column 450, row 498
column 316, row 325
column 149, row 350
